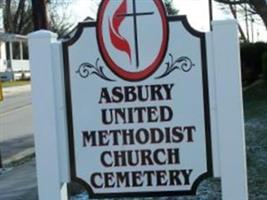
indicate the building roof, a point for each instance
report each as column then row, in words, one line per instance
column 9, row 37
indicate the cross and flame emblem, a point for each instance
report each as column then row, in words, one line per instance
column 116, row 40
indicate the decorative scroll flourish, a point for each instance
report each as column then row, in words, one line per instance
column 183, row 63
column 87, row 69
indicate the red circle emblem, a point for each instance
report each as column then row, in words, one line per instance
column 132, row 37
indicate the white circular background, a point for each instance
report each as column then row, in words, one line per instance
column 150, row 35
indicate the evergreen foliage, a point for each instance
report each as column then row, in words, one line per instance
column 264, row 65
column 170, row 8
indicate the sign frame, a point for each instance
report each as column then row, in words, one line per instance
column 209, row 173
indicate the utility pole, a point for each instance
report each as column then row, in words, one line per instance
column 210, row 14
column 246, row 20
column 252, row 27
column 1, row 164
column 39, row 14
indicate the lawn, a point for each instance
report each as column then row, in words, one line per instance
column 15, row 83
column 255, row 107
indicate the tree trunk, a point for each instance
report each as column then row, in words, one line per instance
column 8, row 17
column 234, row 13
column 39, row 14
column 19, row 16
column 260, row 6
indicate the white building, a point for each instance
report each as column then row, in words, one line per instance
column 13, row 64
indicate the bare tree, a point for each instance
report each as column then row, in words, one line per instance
column 237, row 11
column 21, row 17
column 258, row 7
column 17, row 16
column 39, row 14
column 234, row 11
column 59, row 23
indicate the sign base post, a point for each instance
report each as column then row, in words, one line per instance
column 229, row 111
column 45, row 116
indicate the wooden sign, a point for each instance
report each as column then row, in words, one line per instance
column 138, row 103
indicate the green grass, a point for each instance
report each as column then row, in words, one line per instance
column 255, row 107
column 15, row 83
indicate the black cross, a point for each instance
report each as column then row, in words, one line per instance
column 135, row 15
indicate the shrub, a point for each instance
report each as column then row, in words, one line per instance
column 264, row 65
column 251, row 60
column 247, row 63
column 260, row 48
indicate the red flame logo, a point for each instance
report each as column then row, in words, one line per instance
column 118, row 41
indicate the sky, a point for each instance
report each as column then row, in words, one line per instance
column 197, row 12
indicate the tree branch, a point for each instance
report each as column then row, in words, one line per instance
column 8, row 16
column 20, row 9
column 232, row 2
column 234, row 13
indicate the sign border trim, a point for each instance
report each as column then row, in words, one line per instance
column 209, row 173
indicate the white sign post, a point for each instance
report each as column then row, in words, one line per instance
column 229, row 110
column 49, row 114
column 153, row 107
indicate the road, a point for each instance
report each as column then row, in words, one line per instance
column 20, row 183
column 16, row 130
column 15, row 99
column 16, row 135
